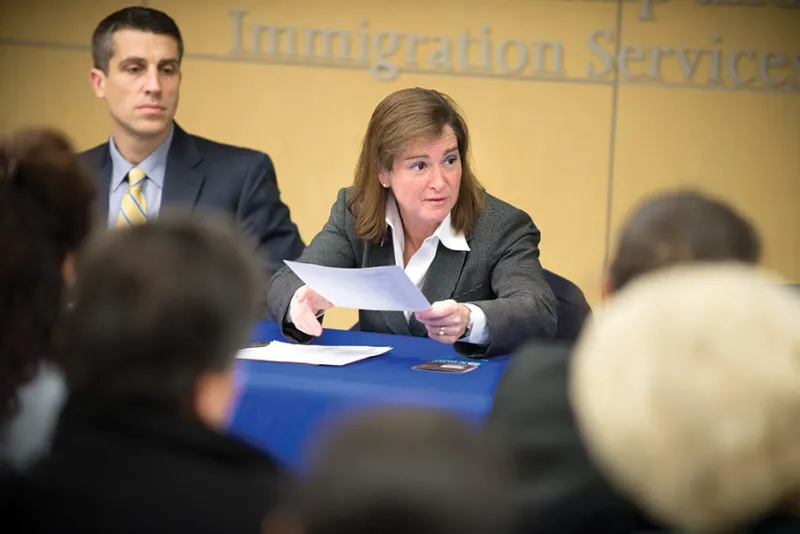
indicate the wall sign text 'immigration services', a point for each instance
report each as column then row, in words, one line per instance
column 387, row 54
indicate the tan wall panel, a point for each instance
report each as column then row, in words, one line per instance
column 208, row 25
column 725, row 138
column 55, row 21
column 712, row 40
column 742, row 147
column 50, row 86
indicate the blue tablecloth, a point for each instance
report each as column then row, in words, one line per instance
column 283, row 405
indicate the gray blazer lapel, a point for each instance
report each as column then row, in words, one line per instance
column 182, row 180
column 378, row 256
column 440, row 281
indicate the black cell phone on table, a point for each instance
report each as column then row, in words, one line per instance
column 447, row 366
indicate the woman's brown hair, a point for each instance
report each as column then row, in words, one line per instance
column 400, row 119
column 46, row 201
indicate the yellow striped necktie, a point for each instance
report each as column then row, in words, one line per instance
column 133, row 209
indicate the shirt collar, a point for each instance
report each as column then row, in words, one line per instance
column 154, row 165
column 445, row 232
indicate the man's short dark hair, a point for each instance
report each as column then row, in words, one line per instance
column 144, row 19
column 682, row 227
column 157, row 305
column 407, row 470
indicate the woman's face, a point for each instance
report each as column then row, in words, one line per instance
column 425, row 180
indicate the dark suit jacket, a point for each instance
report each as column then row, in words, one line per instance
column 501, row 274
column 560, row 490
column 137, row 469
column 203, row 175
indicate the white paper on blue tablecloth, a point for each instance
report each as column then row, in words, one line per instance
column 370, row 288
column 336, row 355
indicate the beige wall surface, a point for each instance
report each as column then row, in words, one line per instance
column 578, row 108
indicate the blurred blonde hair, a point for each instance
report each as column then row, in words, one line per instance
column 686, row 387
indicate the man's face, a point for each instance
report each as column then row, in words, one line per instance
column 143, row 82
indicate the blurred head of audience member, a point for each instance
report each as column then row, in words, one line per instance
column 160, row 312
column 404, row 470
column 677, row 228
column 685, row 388
column 45, row 214
column 413, row 133
column 137, row 53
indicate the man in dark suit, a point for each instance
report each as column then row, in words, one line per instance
column 561, row 491
column 150, row 164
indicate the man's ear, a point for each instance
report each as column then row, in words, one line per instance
column 608, row 286
column 97, row 79
column 68, row 269
column 214, row 395
column 281, row 522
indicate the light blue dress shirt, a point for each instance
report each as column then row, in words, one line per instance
column 154, row 167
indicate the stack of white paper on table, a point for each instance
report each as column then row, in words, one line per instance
column 278, row 351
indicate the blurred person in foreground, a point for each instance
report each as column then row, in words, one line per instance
column 403, row 471
column 140, row 445
column 416, row 203
column 685, row 389
column 561, row 491
column 45, row 215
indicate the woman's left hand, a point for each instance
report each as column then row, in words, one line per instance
column 446, row 321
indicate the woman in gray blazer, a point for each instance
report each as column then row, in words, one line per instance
column 416, row 203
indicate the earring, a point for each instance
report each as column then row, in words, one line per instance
column 385, row 185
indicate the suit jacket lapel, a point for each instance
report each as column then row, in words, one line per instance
column 182, row 180
column 381, row 255
column 106, row 168
column 440, row 280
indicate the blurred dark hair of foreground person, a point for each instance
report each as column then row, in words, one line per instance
column 161, row 310
column 407, row 470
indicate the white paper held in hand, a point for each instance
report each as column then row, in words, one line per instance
column 277, row 351
column 369, row 288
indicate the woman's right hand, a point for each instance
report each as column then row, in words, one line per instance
column 306, row 306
